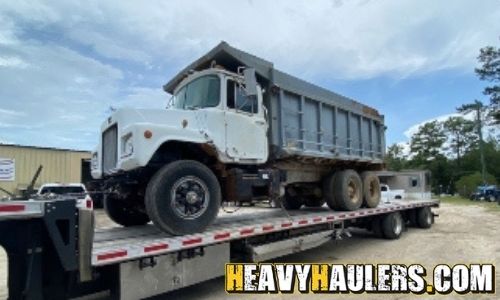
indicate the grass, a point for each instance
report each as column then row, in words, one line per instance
column 458, row 200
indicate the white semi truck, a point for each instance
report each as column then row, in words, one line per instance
column 237, row 129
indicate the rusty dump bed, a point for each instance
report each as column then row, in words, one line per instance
column 305, row 120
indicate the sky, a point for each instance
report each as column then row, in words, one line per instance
column 64, row 64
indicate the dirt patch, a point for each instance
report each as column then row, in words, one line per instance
column 462, row 234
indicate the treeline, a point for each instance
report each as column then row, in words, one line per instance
column 450, row 150
column 454, row 150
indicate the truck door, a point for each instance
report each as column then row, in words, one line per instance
column 246, row 125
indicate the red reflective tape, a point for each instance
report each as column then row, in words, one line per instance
column 286, row 224
column 352, row 214
column 267, row 227
column 302, row 222
column 378, row 210
column 361, row 213
column 191, row 241
column 247, row 231
column 155, row 247
column 12, row 208
column 112, row 255
column 222, row 235
column 317, row 220
column 370, row 211
column 330, row 218
column 342, row 216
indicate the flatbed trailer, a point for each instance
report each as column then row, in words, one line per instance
column 55, row 252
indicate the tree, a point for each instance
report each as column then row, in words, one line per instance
column 461, row 135
column 426, row 143
column 394, row 158
column 489, row 57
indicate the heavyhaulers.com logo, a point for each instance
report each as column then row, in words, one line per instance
column 383, row 278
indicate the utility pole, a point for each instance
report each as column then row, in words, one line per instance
column 479, row 125
column 478, row 107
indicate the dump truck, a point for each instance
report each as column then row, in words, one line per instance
column 237, row 129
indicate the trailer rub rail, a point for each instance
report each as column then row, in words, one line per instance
column 122, row 250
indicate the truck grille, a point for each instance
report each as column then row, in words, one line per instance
column 109, row 149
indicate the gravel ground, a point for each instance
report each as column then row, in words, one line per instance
column 462, row 234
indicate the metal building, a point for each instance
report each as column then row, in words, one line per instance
column 18, row 165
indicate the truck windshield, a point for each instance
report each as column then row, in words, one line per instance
column 201, row 92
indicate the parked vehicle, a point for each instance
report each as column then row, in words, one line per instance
column 387, row 194
column 486, row 192
column 237, row 129
column 55, row 191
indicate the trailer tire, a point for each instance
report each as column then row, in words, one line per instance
column 371, row 189
column 124, row 212
column 314, row 202
column 376, row 227
column 348, row 190
column 329, row 191
column 292, row 202
column 425, row 218
column 198, row 195
column 392, row 226
column 412, row 218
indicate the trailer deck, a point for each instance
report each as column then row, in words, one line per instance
column 117, row 259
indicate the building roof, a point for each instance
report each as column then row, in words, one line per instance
column 42, row 148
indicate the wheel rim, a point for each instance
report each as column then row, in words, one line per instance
column 398, row 226
column 352, row 191
column 189, row 197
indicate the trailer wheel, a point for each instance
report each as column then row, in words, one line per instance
column 376, row 227
column 314, row 202
column 183, row 197
column 371, row 189
column 412, row 217
column 392, row 226
column 292, row 200
column 124, row 212
column 329, row 191
column 348, row 190
column 425, row 218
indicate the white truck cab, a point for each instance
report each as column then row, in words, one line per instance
column 203, row 107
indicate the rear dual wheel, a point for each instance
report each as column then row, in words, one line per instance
column 346, row 190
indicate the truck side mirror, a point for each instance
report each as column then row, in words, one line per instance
column 250, row 82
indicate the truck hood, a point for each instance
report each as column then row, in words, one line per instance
column 167, row 117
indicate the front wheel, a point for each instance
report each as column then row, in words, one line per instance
column 183, row 197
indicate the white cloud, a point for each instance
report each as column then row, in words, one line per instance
column 66, row 62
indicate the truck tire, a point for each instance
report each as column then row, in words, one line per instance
column 348, row 190
column 314, row 202
column 392, row 226
column 292, row 202
column 329, row 191
column 124, row 212
column 183, row 197
column 425, row 218
column 371, row 189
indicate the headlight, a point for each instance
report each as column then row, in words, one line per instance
column 127, row 145
column 93, row 161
